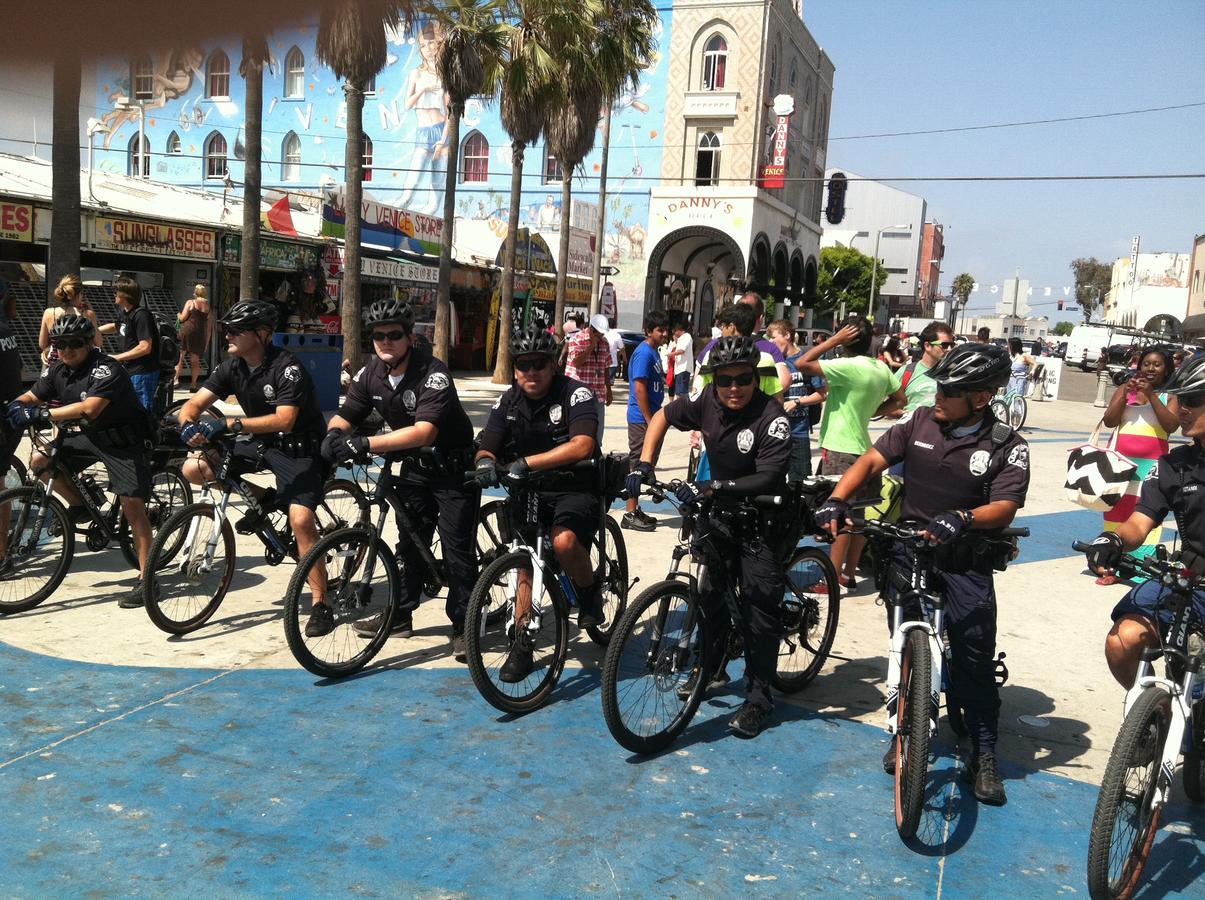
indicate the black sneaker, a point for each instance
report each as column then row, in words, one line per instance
column 253, row 521
column 7, row 569
column 638, row 521
column 519, row 661
column 403, row 625
column 321, row 621
column 749, row 720
column 590, row 612
column 78, row 515
column 718, row 680
column 459, row 653
column 889, row 758
column 984, row 774
column 135, row 598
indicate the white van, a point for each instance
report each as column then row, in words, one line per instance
column 1084, row 343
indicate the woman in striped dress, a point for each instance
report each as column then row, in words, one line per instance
column 1143, row 417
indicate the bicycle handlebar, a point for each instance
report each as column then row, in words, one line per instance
column 912, row 532
column 1157, row 568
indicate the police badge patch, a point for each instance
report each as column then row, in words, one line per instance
column 744, row 441
column 409, row 400
column 102, row 372
column 292, row 373
column 437, row 381
column 978, row 463
column 554, row 414
column 580, row 396
column 269, row 392
column 1019, row 457
column 779, row 428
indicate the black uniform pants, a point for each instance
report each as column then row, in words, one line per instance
column 452, row 508
column 970, row 626
column 757, row 569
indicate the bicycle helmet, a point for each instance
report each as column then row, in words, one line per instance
column 250, row 315
column 390, row 312
column 1189, row 378
column 973, row 367
column 733, row 350
column 531, row 341
column 73, row 326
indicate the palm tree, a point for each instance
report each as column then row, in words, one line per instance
column 64, row 257
column 469, row 62
column 351, row 42
column 255, row 56
column 527, row 84
column 962, row 287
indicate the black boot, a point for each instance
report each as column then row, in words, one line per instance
column 984, row 774
column 590, row 606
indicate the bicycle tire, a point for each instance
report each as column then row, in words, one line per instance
column 351, row 509
column 170, row 491
column 347, row 609
column 814, row 624
column 486, row 633
column 58, row 526
column 614, row 582
column 1018, row 411
column 999, row 409
column 912, row 732
column 491, row 532
column 1194, row 759
column 664, row 668
column 165, row 554
column 1152, row 710
column 17, row 475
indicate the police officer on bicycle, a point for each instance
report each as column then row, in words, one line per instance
column 547, row 420
column 414, row 393
column 280, row 412
column 95, row 388
column 1176, row 484
column 748, row 439
column 963, row 472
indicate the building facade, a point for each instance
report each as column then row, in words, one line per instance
column 1194, row 315
column 932, row 252
column 891, row 221
column 1158, row 284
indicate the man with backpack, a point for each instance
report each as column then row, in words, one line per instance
column 935, row 341
column 139, row 335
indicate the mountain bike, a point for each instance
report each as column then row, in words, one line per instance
column 524, row 596
column 192, row 558
column 916, row 669
column 42, row 531
column 1163, row 717
column 652, row 680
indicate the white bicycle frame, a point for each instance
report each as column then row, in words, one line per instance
column 1181, row 700
column 937, row 654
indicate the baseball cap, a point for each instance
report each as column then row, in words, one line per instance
column 600, row 323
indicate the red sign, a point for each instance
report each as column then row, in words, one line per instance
column 16, row 222
column 774, row 173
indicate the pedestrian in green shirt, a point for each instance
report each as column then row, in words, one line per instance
column 935, row 340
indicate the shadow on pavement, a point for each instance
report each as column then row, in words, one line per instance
column 1059, row 744
column 1175, row 863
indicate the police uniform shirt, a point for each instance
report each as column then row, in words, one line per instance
column 945, row 472
column 519, row 426
column 10, row 363
column 426, row 393
column 1177, row 482
column 100, row 375
column 280, row 380
column 756, row 439
column 134, row 327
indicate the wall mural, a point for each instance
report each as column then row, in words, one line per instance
column 405, row 119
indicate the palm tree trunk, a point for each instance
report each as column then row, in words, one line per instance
column 600, row 232
column 64, row 257
column 353, row 192
column 443, row 293
column 502, row 369
column 248, row 284
column 562, row 260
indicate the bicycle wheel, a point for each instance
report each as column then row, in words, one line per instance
column 1194, row 759
column 343, row 505
column 170, row 491
column 37, row 559
column 1018, row 409
column 648, row 694
column 1124, row 824
column 811, row 606
column 490, row 632
column 191, row 565
column 614, row 571
column 492, row 530
column 999, row 409
column 912, row 732
column 17, row 473
column 354, row 591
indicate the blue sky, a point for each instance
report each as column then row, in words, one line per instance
column 906, row 66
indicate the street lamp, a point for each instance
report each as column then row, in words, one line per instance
column 874, row 269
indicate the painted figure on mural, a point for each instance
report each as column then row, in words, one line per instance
column 424, row 93
column 174, row 73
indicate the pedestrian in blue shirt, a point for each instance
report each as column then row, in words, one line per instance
column 646, row 391
column 801, row 398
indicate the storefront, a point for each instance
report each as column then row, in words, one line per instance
column 401, row 279
column 290, row 275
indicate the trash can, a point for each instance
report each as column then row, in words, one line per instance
column 322, row 354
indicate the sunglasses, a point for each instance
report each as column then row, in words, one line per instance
column 532, row 364
column 945, row 345
column 726, row 381
column 382, row 336
column 954, row 393
column 68, row 343
column 1192, row 401
column 234, row 332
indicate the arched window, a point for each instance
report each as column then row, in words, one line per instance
column 370, row 87
column 217, row 75
column 173, row 144
column 772, row 81
column 822, row 122
column 707, row 160
column 290, row 158
column 142, row 78
column 366, row 158
column 139, row 163
column 715, row 63
column 552, row 168
column 295, row 74
column 793, row 78
column 475, row 158
column 215, row 156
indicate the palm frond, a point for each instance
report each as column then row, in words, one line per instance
column 351, row 35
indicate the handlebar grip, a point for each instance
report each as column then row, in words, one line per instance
column 1080, row 546
column 766, row 501
column 1014, row 532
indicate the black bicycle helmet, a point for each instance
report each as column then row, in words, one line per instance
column 733, row 350
column 973, row 367
column 533, row 340
column 390, row 312
column 1189, row 378
column 250, row 315
column 73, row 326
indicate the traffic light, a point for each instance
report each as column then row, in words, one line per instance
column 1060, row 306
column 834, row 211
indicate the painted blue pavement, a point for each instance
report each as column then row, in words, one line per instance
column 120, row 780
